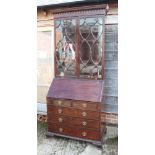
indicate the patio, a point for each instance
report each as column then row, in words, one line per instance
column 62, row 146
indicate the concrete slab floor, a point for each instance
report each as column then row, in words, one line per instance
column 63, row 146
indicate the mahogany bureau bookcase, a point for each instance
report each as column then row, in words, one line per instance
column 74, row 109
column 75, row 97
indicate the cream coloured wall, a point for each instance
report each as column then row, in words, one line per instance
column 45, row 56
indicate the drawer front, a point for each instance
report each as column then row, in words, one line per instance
column 75, row 132
column 85, row 105
column 59, row 102
column 73, row 112
column 79, row 122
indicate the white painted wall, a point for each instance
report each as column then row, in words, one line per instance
column 49, row 2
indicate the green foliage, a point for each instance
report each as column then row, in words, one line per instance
column 41, row 125
column 111, row 141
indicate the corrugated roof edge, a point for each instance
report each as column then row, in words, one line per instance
column 76, row 3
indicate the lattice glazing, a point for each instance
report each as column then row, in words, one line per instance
column 65, row 47
column 91, row 30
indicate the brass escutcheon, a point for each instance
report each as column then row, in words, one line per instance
column 60, row 129
column 84, row 134
column 59, row 103
column 59, row 111
column 84, row 123
column 84, row 114
column 84, row 105
column 60, row 119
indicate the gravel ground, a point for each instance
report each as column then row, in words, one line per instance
column 63, row 146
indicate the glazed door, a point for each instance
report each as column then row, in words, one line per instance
column 66, row 47
column 91, row 43
column 79, row 46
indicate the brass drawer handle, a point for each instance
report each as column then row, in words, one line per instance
column 84, row 123
column 60, row 119
column 59, row 111
column 84, row 134
column 84, row 105
column 60, row 129
column 59, row 103
column 84, row 114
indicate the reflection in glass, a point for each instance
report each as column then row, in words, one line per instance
column 65, row 47
column 89, row 33
column 91, row 30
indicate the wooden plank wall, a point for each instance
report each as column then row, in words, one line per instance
column 111, row 56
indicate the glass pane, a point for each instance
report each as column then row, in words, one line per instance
column 91, row 30
column 65, row 47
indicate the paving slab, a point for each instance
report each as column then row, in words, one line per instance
column 63, row 146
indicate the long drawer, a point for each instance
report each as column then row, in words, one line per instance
column 73, row 112
column 75, row 104
column 75, row 132
column 59, row 102
column 79, row 122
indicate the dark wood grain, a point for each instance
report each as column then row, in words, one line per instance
column 85, row 105
column 59, row 102
column 73, row 121
column 75, row 117
column 75, row 131
column 75, row 104
column 76, row 89
column 82, row 8
column 73, row 112
column 94, row 142
column 77, row 13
